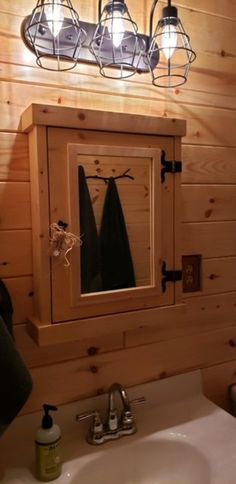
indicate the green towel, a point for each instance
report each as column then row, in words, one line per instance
column 6, row 308
column 15, row 379
column 90, row 251
column 117, row 265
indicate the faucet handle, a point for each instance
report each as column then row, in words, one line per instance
column 127, row 417
column 113, row 420
column 84, row 416
column 96, row 431
column 138, row 401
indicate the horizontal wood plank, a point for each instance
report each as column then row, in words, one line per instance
column 210, row 239
column 214, row 7
column 208, row 202
column 208, row 164
column 208, row 42
column 16, row 253
column 21, row 293
column 218, row 276
column 14, row 157
column 89, row 9
column 25, row 7
column 210, row 313
column 15, row 198
column 36, row 356
column 86, row 78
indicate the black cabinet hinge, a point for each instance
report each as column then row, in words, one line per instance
column 169, row 166
column 169, row 276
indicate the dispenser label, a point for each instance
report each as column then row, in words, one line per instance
column 48, row 460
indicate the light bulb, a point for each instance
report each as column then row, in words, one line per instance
column 169, row 40
column 55, row 17
column 116, row 28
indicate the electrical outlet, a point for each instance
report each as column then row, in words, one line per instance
column 191, row 265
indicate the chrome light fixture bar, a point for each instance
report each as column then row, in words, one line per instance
column 54, row 31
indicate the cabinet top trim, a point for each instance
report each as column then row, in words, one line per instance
column 67, row 117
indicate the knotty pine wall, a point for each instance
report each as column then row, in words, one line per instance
column 206, row 337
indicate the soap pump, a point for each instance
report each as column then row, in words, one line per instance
column 47, row 447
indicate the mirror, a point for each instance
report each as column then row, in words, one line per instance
column 112, row 201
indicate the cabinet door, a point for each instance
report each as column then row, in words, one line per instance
column 147, row 206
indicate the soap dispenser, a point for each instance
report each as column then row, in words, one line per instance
column 47, row 447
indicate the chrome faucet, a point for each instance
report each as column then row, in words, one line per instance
column 126, row 420
column 117, row 424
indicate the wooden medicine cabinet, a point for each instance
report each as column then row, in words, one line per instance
column 74, row 153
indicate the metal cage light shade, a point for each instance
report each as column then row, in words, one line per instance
column 116, row 42
column 175, row 52
column 53, row 32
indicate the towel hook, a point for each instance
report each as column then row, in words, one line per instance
column 106, row 179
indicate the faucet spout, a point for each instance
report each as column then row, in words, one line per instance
column 118, row 388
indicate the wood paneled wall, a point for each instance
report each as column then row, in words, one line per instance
column 206, row 339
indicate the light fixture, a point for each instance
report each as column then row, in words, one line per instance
column 173, row 46
column 54, row 31
column 116, row 42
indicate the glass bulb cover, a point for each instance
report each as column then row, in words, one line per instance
column 116, row 28
column 55, row 17
column 169, row 40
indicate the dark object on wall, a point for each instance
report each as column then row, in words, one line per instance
column 169, row 276
column 232, row 398
column 62, row 224
column 15, row 380
column 106, row 179
column 169, row 166
column 117, row 265
column 90, row 253
column 191, row 273
column 6, row 308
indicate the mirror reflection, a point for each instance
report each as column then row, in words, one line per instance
column 115, row 221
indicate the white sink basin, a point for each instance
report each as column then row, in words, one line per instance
column 182, row 438
column 162, row 461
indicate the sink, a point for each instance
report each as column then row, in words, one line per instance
column 162, row 461
column 182, row 438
